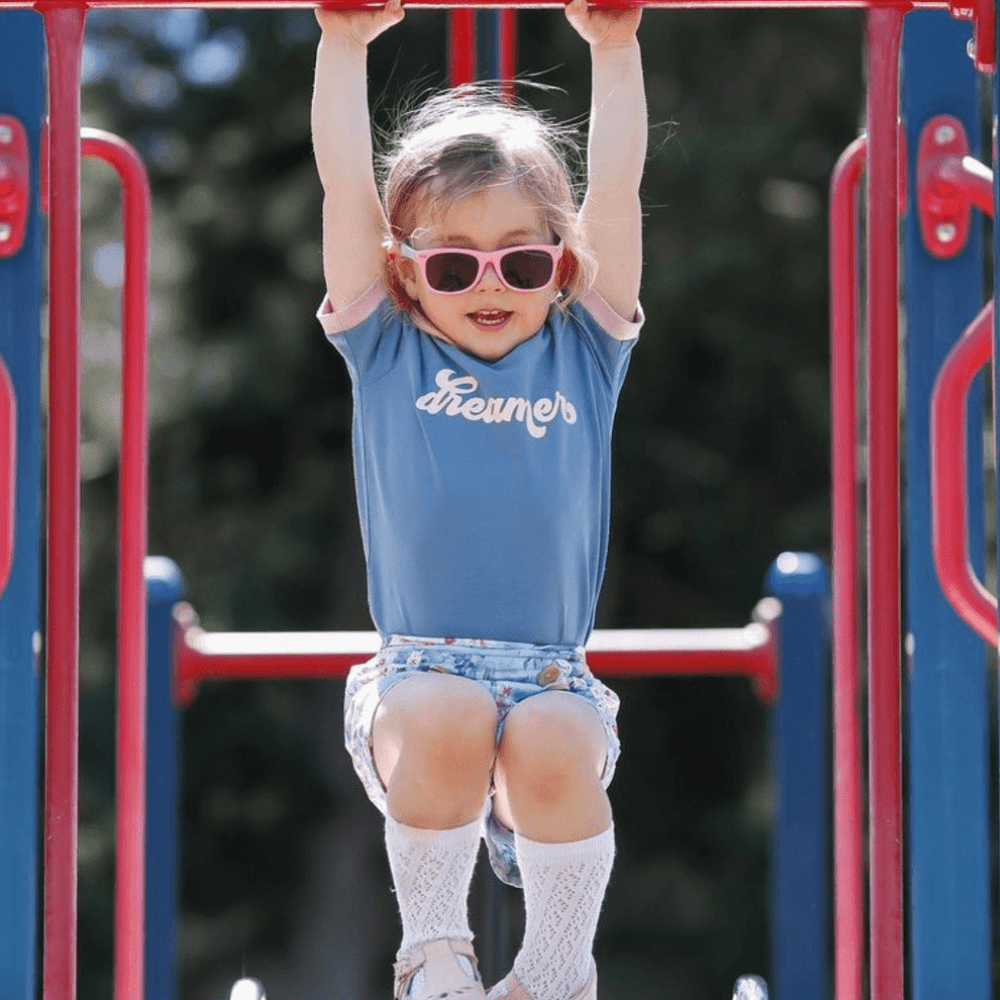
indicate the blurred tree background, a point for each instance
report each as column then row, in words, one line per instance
column 721, row 463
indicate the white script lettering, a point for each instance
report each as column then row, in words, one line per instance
column 453, row 397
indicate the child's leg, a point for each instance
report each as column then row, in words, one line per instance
column 548, row 777
column 433, row 742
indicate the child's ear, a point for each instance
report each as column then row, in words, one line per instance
column 569, row 267
column 405, row 272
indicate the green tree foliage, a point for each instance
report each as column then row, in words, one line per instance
column 721, row 461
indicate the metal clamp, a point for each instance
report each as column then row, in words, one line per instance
column 14, row 182
column 943, row 208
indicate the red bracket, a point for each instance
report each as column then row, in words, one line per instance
column 14, row 180
column 943, row 207
column 983, row 15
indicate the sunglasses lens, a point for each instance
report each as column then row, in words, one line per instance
column 451, row 272
column 527, row 269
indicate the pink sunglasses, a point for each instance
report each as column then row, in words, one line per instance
column 455, row 269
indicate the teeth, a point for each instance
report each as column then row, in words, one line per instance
column 490, row 316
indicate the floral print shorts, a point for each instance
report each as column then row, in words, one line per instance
column 511, row 672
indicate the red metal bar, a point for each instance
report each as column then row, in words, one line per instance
column 8, row 473
column 973, row 603
column 884, row 27
column 972, row 178
column 132, row 535
column 64, row 27
column 461, row 47
column 849, row 915
column 751, row 651
column 517, row 4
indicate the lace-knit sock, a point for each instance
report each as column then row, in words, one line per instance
column 563, row 890
column 431, row 870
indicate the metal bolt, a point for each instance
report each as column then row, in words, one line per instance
column 6, row 134
column 944, row 134
column 945, row 232
column 5, row 232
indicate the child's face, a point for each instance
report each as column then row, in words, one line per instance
column 489, row 319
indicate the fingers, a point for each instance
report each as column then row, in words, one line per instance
column 363, row 24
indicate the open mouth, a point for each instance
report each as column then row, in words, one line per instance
column 490, row 318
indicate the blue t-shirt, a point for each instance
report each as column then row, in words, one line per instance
column 483, row 486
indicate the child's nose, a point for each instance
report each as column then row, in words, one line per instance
column 491, row 277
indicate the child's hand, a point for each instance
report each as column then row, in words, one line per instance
column 361, row 25
column 603, row 28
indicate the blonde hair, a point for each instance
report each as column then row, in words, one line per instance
column 467, row 139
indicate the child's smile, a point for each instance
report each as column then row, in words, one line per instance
column 489, row 319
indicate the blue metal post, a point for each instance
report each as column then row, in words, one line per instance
column 22, row 94
column 948, row 725
column 164, row 588
column 800, row 754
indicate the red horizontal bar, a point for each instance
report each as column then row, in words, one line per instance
column 903, row 5
column 750, row 651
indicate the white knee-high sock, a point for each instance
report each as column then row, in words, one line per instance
column 564, row 888
column 431, row 870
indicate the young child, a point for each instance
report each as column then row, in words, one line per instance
column 487, row 322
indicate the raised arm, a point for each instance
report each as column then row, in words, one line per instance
column 611, row 214
column 354, row 224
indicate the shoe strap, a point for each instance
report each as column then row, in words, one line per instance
column 417, row 957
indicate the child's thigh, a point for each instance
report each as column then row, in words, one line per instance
column 433, row 710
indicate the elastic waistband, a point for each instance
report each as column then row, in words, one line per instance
column 491, row 647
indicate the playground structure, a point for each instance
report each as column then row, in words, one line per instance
column 948, row 828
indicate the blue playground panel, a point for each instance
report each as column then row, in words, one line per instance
column 22, row 94
column 949, row 865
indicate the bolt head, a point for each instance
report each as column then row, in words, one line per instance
column 944, row 134
column 5, row 232
column 6, row 134
column 945, row 232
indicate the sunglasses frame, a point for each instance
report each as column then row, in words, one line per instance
column 484, row 258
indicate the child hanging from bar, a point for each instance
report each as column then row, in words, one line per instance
column 487, row 322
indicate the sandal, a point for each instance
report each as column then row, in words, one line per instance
column 510, row 988
column 445, row 969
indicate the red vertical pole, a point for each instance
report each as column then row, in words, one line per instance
column 849, row 918
column 461, row 46
column 884, row 27
column 130, row 750
column 508, row 50
column 64, row 27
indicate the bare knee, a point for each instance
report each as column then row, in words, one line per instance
column 552, row 752
column 436, row 733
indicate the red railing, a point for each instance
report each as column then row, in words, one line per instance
column 949, row 183
column 750, row 651
column 972, row 602
column 8, row 473
column 64, row 33
column 849, row 918
column 132, row 537
column 885, row 785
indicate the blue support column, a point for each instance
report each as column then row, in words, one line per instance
column 948, row 724
column 22, row 94
column 800, row 855
column 164, row 588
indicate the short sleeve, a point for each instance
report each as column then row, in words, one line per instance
column 609, row 337
column 368, row 333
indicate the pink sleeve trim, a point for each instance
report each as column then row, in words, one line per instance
column 354, row 313
column 612, row 324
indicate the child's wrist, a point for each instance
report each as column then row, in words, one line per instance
column 611, row 45
column 337, row 37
